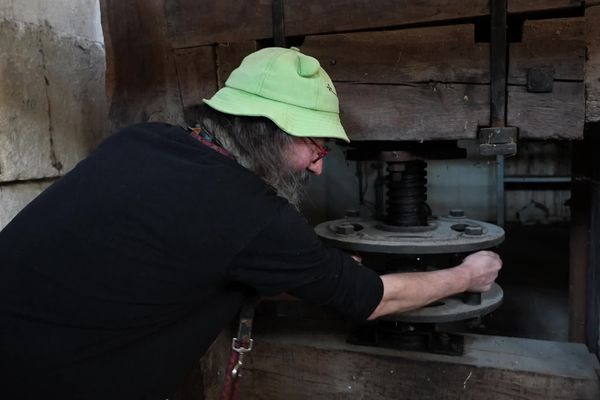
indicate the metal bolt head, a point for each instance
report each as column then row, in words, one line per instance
column 457, row 213
column 344, row 229
column 444, row 338
column 473, row 230
column 396, row 166
column 352, row 213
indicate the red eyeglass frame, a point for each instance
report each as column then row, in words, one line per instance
column 322, row 151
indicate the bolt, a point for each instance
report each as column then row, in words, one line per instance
column 352, row 213
column 444, row 338
column 457, row 213
column 396, row 166
column 473, row 230
column 344, row 229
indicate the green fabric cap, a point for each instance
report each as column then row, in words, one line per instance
column 286, row 86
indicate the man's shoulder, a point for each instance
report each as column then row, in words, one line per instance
column 151, row 128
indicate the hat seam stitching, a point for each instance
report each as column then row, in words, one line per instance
column 268, row 71
column 317, row 84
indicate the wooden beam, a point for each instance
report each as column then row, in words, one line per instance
column 316, row 363
column 556, row 43
column 555, row 115
column 593, row 276
column 193, row 23
column 411, row 84
column 438, row 54
column 142, row 78
column 229, row 57
column 579, row 239
column 592, row 65
column 197, row 74
column 413, row 112
column 522, row 6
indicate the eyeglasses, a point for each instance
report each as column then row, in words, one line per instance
column 322, row 151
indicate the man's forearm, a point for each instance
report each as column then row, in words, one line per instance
column 407, row 291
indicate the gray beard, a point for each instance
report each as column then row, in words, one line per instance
column 269, row 164
column 292, row 186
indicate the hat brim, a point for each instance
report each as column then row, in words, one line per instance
column 294, row 120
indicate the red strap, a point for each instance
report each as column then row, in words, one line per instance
column 231, row 387
column 196, row 133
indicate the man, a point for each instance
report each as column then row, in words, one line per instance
column 116, row 279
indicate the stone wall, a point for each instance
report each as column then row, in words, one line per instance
column 52, row 94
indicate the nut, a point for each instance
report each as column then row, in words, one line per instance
column 473, row 230
column 344, row 229
column 457, row 213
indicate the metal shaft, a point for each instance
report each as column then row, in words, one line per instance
column 407, row 193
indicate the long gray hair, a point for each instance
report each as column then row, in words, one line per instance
column 258, row 145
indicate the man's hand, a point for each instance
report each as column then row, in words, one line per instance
column 410, row 290
column 482, row 268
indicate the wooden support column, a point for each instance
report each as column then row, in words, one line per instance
column 141, row 75
column 592, row 65
column 579, row 241
column 593, row 275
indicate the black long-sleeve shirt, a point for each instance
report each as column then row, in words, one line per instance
column 117, row 278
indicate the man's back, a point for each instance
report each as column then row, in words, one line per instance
column 108, row 269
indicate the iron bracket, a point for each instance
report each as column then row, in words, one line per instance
column 540, row 80
column 494, row 141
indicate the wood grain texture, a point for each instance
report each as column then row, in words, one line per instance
column 521, row 6
column 194, row 23
column 413, row 112
column 309, row 364
column 438, row 54
column 559, row 43
column 197, row 74
column 229, row 57
column 142, row 75
column 592, row 66
column 556, row 115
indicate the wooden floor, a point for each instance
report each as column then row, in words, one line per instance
column 294, row 360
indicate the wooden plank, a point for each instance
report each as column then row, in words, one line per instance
column 557, row 43
column 194, row 23
column 592, row 66
column 203, row 70
column 229, row 57
column 593, row 276
column 522, row 6
column 579, row 238
column 296, row 363
column 413, row 112
column 142, row 75
column 197, row 74
column 439, row 54
column 556, row 115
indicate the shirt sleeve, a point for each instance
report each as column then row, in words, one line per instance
column 288, row 256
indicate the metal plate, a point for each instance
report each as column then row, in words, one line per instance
column 442, row 236
column 452, row 309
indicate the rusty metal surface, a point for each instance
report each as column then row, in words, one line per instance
column 441, row 235
column 452, row 309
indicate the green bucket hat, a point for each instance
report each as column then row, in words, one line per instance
column 286, row 86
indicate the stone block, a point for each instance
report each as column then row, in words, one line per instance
column 67, row 17
column 52, row 101
column 25, row 149
column 13, row 197
column 75, row 75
